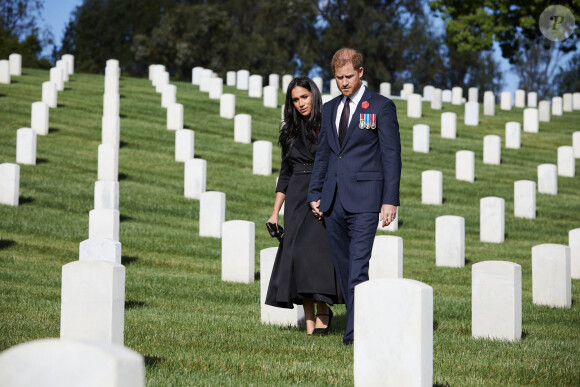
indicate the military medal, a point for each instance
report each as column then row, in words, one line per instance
column 368, row 121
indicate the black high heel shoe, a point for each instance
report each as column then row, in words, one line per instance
column 324, row 331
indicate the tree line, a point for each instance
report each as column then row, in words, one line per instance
column 441, row 43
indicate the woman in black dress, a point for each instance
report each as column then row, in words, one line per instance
column 303, row 271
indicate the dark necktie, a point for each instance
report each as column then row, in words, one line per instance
column 343, row 125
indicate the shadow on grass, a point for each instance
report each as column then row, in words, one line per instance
column 125, row 218
column 25, row 200
column 151, row 361
column 6, row 243
column 127, row 260
column 53, row 130
column 122, row 176
column 122, row 116
column 133, row 304
column 444, row 384
column 257, row 276
column 435, row 325
column 2, row 95
column 40, row 160
column 123, row 144
column 59, row 105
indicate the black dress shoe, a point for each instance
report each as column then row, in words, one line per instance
column 348, row 342
column 324, row 331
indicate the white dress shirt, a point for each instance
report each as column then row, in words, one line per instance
column 354, row 100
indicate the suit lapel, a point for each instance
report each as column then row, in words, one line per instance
column 354, row 121
column 333, row 139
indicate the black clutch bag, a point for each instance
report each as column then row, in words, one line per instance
column 275, row 232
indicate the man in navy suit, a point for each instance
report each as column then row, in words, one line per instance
column 356, row 174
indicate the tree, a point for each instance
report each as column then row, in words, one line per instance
column 473, row 25
column 567, row 80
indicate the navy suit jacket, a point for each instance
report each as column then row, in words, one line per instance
column 366, row 169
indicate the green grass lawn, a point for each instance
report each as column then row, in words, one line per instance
column 194, row 329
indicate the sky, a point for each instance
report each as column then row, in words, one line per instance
column 56, row 15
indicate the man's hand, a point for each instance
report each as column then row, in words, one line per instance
column 315, row 209
column 388, row 214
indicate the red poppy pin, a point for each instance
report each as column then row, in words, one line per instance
column 365, row 104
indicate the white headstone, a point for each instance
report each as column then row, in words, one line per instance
column 448, row 125
column 262, row 160
column 49, row 94
column 414, row 108
column 446, row 95
column 71, row 363
column 255, row 86
column 39, row 118
column 15, row 64
column 471, row 114
column 70, row 60
column 243, row 128
column 496, row 300
column 393, row 351
column 228, row 106
column 270, row 97
column 238, row 245
column 242, row 80
column 216, row 88
column 576, row 101
column 488, row 103
column 334, row 89
column 473, row 94
column 26, row 146
column 184, row 144
column 100, row 249
column 111, row 130
column 385, row 89
column 557, row 106
column 9, row 183
column 532, row 99
column 513, row 134
column 566, row 102
column 161, row 80
column 104, row 223
column 421, row 138
column 456, row 95
column 106, row 195
column 196, row 75
column 168, row 95
column 531, row 120
column 450, row 241
column 4, row 72
column 428, row 92
column 465, row 165
column 492, row 149
column 432, row 187
column 286, row 79
column 270, row 314
column 56, row 76
column 544, row 111
column 111, row 104
column 93, row 302
column 548, row 179
column 386, row 257
column 194, row 178
column 576, row 144
column 274, row 80
column 111, row 84
column 436, row 99
column 175, row 116
column 551, row 277
column 205, row 80
column 506, row 100
column 520, row 100
column 525, row 199
column 408, row 89
column 231, row 78
column 108, row 163
column 566, row 161
column 492, row 219
column 574, row 244
column 212, row 213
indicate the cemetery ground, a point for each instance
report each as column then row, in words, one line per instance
column 194, row 329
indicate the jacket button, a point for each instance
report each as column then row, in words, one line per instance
column 340, row 156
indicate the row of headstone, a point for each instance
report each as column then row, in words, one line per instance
column 10, row 67
column 9, row 184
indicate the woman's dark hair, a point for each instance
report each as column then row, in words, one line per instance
column 290, row 127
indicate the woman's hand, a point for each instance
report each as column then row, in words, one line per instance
column 274, row 219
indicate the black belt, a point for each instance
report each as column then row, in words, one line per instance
column 302, row 169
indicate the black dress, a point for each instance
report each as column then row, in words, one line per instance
column 303, row 267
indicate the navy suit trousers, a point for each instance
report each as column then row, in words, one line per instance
column 351, row 237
